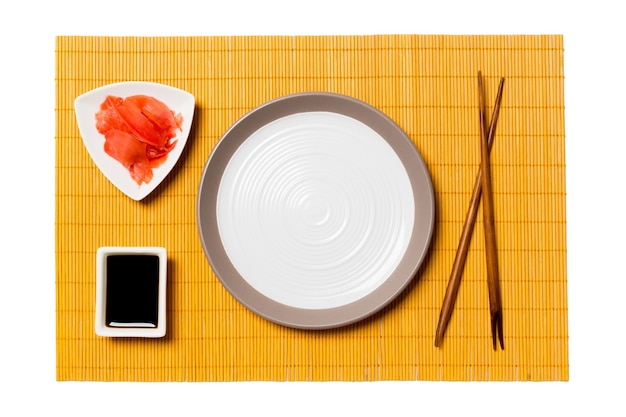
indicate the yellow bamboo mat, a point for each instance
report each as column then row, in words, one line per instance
column 426, row 84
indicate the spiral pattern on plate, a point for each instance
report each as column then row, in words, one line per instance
column 315, row 210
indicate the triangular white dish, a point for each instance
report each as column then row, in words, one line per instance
column 88, row 104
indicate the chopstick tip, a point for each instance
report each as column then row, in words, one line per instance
column 439, row 333
column 500, row 334
column 496, row 330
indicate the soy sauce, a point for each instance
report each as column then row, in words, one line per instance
column 132, row 288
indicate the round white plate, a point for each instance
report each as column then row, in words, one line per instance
column 315, row 210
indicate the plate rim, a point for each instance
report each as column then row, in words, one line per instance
column 238, row 286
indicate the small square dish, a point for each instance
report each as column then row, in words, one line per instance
column 131, row 286
column 135, row 132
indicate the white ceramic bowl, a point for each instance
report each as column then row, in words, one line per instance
column 122, row 292
column 88, row 104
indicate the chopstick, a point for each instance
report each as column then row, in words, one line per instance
column 468, row 227
column 493, row 272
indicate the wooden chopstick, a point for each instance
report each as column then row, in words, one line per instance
column 466, row 235
column 493, row 272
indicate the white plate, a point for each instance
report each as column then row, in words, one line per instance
column 88, row 104
column 315, row 210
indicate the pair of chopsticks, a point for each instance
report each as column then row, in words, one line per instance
column 482, row 185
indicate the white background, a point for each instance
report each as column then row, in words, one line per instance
column 595, row 113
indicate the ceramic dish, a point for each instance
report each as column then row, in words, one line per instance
column 88, row 104
column 315, row 210
column 131, row 291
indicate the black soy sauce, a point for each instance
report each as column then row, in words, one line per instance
column 132, row 290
